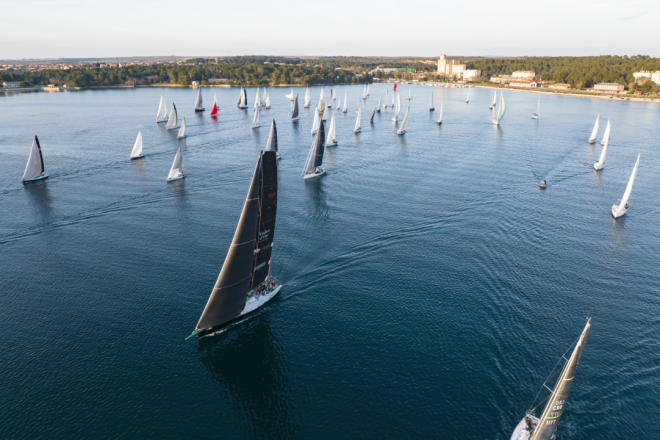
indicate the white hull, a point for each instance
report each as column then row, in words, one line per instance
column 158, row 121
column 332, row 144
column 535, row 116
column 311, row 176
column 592, row 141
column 256, row 126
column 602, row 143
column 181, row 137
column 41, row 177
column 403, row 132
column 257, row 301
column 137, row 157
column 169, row 179
column 496, row 122
column 357, row 130
column 598, row 166
column 616, row 212
column 394, row 119
column 521, row 433
column 295, row 119
column 278, row 156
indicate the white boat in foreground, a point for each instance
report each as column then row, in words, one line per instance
column 544, row 427
column 315, row 157
column 601, row 161
column 594, row 132
column 538, row 110
column 35, row 170
column 500, row 110
column 620, row 208
column 176, row 172
column 136, row 153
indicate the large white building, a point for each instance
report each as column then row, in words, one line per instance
column 450, row 68
column 471, row 74
column 645, row 75
column 524, row 74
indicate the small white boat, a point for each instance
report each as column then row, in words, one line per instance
column 161, row 116
column 440, row 118
column 176, row 172
column 242, row 100
column 606, row 136
column 257, row 100
column 182, row 130
column 136, row 153
column 314, row 161
column 594, row 132
column 538, row 110
column 404, row 123
column 380, row 99
column 467, row 99
column 368, row 90
column 35, row 170
column 172, row 121
column 620, row 208
column 345, row 109
column 500, row 110
column 364, row 92
column 316, row 123
column 290, row 95
column 339, row 105
column 255, row 121
column 494, row 101
column 331, row 141
column 358, row 128
column 601, row 161
column 308, row 101
column 263, row 100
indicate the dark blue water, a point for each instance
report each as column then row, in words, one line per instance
column 430, row 286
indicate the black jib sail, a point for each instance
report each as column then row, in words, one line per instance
column 271, row 144
column 245, row 101
column 41, row 156
column 294, row 113
column 320, row 146
column 230, row 291
column 266, row 219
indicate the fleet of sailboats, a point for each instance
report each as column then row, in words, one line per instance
column 500, row 111
column 620, row 208
column 601, row 161
column 176, row 172
column 544, row 427
column 35, row 170
column 199, row 102
column 136, row 152
column 315, row 157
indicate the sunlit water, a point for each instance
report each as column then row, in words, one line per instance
column 429, row 284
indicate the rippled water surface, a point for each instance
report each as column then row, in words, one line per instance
column 429, row 284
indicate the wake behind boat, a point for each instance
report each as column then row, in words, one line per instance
column 35, row 170
column 244, row 283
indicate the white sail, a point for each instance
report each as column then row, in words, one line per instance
column 431, row 107
column 325, row 113
column 257, row 103
column 137, row 147
column 386, row 97
column 440, row 118
column 467, row 99
column 364, row 92
column 263, row 101
column 345, row 109
column 176, row 172
column 339, row 105
column 594, row 132
column 334, row 95
column 240, row 98
column 255, row 120
column 500, row 111
column 199, row 102
column 404, row 123
column 606, row 136
column 601, row 161
column 182, row 130
column 162, row 110
column 172, row 121
column 494, row 102
column 308, row 101
column 317, row 121
column 330, row 140
column 321, row 101
column 367, row 90
column 34, row 169
column 268, row 101
column 358, row 127
column 397, row 112
column 621, row 208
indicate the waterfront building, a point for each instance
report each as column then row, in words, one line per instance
column 645, row 75
column 609, row 87
column 560, row 86
column 450, row 68
column 471, row 74
column 524, row 74
column 11, row 84
column 523, row 83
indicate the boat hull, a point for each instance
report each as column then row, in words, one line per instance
column 200, row 110
column 401, row 132
column 496, row 122
column 592, row 141
column 357, row 130
column 311, row 176
column 535, row 116
column 160, row 121
column 256, row 126
column 432, row 109
column 332, row 144
column 251, row 305
column 294, row 119
column 521, row 433
column 181, row 137
column 598, row 166
column 618, row 212
column 137, row 157
column 41, row 177
column 170, row 179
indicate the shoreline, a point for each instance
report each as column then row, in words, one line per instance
column 631, row 98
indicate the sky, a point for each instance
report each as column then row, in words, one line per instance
column 90, row 28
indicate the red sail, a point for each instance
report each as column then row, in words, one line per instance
column 395, row 87
column 215, row 109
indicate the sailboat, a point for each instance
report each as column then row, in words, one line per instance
column 606, row 136
column 257, row 101
column 34, row 170
column 317, row 122
column 329, row 103
column 543, row 428
column 267, row 102
column 364, row 92
column 308, row 101
column 440, row 118
column 315, row 157
column 263, row 100
column 358, row 128
column 500, row 111
column 243, row 103
column 397, row 112
column 271, row 144
column 386, row 98
column 325, row 113
column 176, row 172
column 409, row 97
column 380, row 99
column 345, row 109
column 240, row 98
column 294, row 112
column 161, row 116
column 594, row 132
column 244, row 283
column 290, row 95
column 214, row 110
column 431, row 108
column 339, row 105
column 136, row 152
column 255, row 121
column 172, row 121
column 321, row 106
column 404, row 124
column 367, row 90
column 619, row 209
column 601, row 161
column 538, row 110
column 371, row 119
column 494, row 101
column 199, row 103
column 331, row 141
column 467, row 99
column 334, row 94
column 182, row 130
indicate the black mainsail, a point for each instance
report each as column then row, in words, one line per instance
column 320, row 146
column 271, row 144
column 294, row 113
column 557, row 402
column 245, row 101
column 230, row 291
column 371, row 119
column 268, row 186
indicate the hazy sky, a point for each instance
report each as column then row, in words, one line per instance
column 76, row 28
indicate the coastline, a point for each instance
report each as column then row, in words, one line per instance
column 631, row 98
